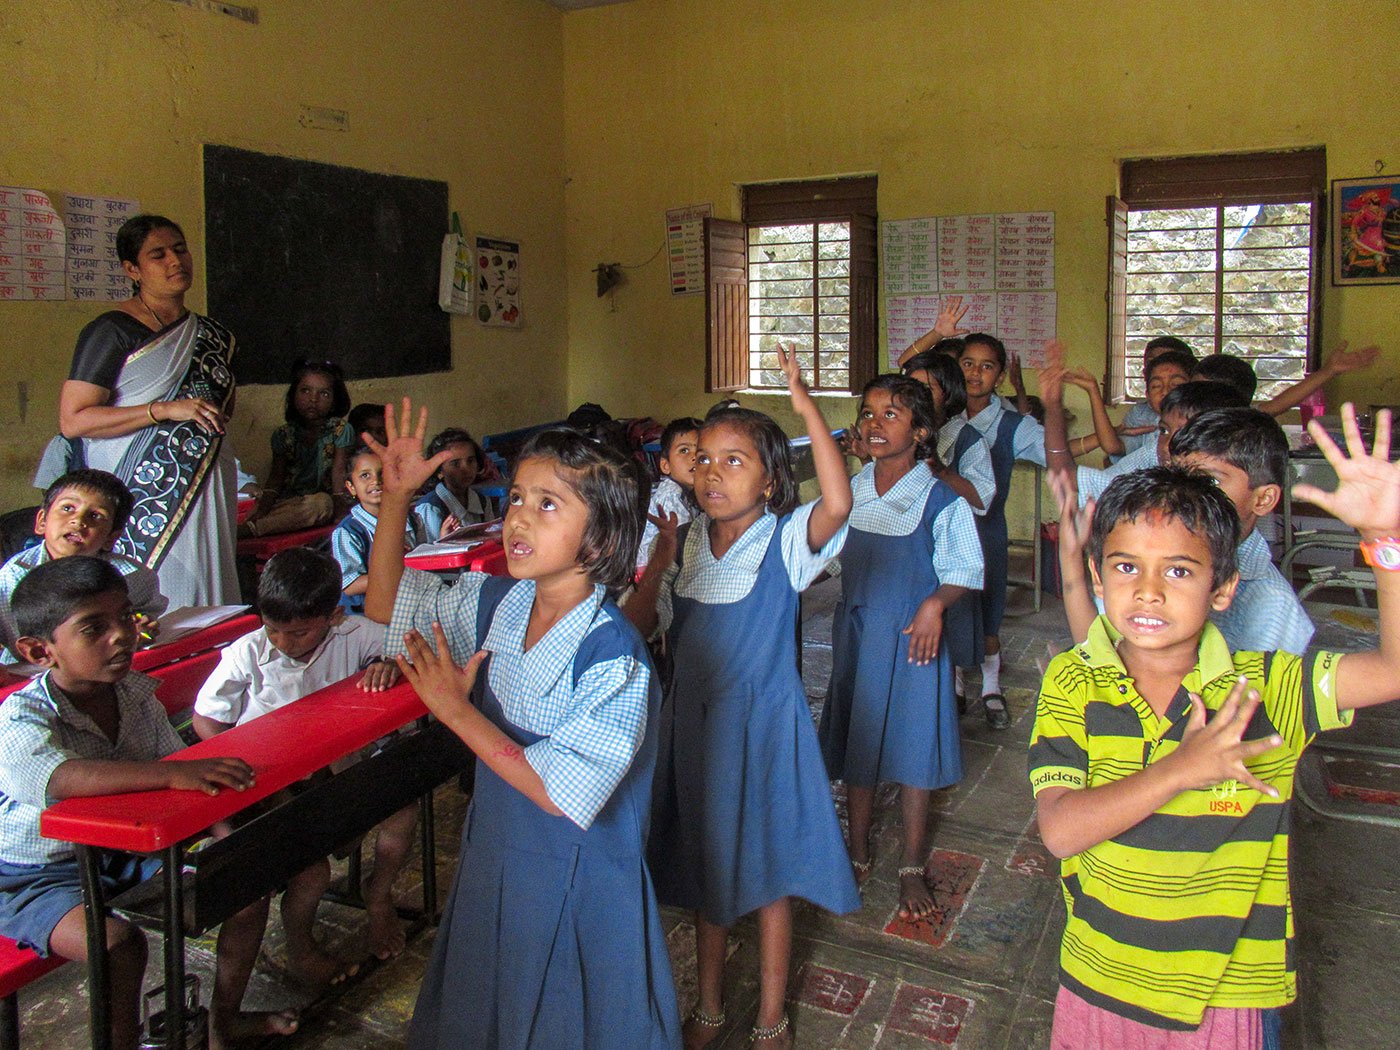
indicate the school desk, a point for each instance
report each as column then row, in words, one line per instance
column 283, row 747
column 488, row 557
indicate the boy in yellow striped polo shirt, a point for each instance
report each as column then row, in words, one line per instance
column 1162, row 763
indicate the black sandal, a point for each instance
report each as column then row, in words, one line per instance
column 994, row 704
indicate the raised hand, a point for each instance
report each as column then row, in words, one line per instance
column 925, row 631
column 1341, row 360
column 1018, row 383
column 210, row 775
column 945, row 326
column 405, row 469
column 663, row 550
column 1215, row 751
column 443, row 687
column 1082, row 378
column 1052, row 383
column 787, row 358
column 1075, row 523
column 1367, row 496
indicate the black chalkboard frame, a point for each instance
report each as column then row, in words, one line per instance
column 318, row 261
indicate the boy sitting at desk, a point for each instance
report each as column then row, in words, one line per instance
column 90, row 726
column 83, row 513
column 307, row 643
column 1162, row 763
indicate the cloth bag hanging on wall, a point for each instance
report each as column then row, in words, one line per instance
column 455, row 274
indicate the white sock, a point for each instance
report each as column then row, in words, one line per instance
column 959, row 681
column 991, row 674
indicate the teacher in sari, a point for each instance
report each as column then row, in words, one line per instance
column 147, row 398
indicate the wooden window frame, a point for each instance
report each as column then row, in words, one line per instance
column 850, row 200
column 1218, row 181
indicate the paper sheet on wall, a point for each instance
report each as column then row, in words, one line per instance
column 31, row 246
column 498, row 282
column 685, row 247
column 1002, row 265
column 95, row 273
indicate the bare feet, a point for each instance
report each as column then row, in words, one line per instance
column 701, row 1029
column 386, row 936
column 247, row 1026
column 915, row 901
column 317, row 970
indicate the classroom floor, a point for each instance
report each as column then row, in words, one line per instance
column 981, row 973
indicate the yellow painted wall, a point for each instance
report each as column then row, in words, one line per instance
column 959, row 106
column 116, row 97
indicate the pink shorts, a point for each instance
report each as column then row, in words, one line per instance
column 1080, row 1025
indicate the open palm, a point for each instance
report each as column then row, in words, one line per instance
column 401, row 457
column 1367, row 496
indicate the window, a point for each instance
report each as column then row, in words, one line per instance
column 799, row 270
column 1221, row 252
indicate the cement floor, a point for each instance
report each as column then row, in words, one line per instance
column 980, row 974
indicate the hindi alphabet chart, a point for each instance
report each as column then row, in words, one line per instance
column 685, row 247
column 95, row 273
column 31, row 246
column 1003, row 266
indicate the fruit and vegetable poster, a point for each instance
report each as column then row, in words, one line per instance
column 498, row 282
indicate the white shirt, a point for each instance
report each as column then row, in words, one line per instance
column 254, row 677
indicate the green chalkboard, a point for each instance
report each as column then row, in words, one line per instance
column 317, row 261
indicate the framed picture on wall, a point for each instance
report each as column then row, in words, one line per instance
column 1366, row 230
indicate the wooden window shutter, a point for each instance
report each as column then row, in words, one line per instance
column 727, row 305
column 1117, row 298
column 865, row 324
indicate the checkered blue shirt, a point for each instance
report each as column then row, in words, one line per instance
column 142, row 586
column 1140, row 415
column 976, row 465
column 727, row 580
column 352, row 551
column 591, row 731
column 1093, row 480
column 40, row 729
column 1027, row 440
column 1266, row 614
column 957, row 552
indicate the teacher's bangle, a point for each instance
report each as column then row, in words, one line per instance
column 151, row 411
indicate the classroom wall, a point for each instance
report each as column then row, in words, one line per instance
column 959, row 106
column 116, row 97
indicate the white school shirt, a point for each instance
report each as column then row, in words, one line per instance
column 1093, row 480
column 976, row 465
column 254, row 677
column 1027, row 440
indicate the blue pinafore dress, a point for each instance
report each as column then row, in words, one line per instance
column 885, row 718
column 744, row 814
column 964, row 635
column 551, row 938
column 992, row 525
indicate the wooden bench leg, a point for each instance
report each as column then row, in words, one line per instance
column 9, row 1022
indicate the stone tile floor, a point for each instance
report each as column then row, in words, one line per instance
column 979, row 974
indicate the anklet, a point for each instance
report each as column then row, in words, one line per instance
column 700, row 1017
column 756, row 1033
column 912, row 869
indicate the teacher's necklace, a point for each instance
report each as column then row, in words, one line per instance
column 151, row 310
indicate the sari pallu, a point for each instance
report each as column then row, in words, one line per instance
column 181, row 478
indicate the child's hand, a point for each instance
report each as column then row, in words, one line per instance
column 925, row 631
column 663, row 551
column 1215, row 751
column 443, row 687
column 210, row 775
column 1341, row 360
column 379, row 676
column 1082, row 378
column 1368, row 484
column 1074, row 523
column 1052, row 384
column 405, row 469
column 852, row 444
column 945, row 326
column 1127, row 431
column 450, row 524
column 797, row 386
column 147, row 630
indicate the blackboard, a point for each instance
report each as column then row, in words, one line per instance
column 310, row 260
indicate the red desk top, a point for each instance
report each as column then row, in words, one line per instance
column 264, row 547
column 158, row 655
column 488, row 557
column 282, row 747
